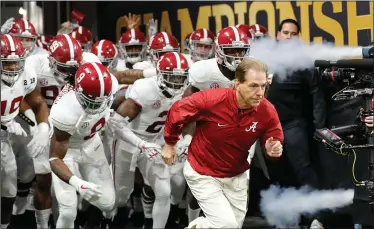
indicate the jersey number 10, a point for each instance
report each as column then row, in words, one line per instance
column 14, row 105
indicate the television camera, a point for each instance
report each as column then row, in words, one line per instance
column 357, row 78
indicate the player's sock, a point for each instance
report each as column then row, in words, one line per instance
column 193, row 213
column 147, row 202
column 4, row 226
column 42, row 218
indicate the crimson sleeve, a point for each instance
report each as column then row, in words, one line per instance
column 186, row 110
column 273, row 129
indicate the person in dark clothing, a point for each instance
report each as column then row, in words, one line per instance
column 293, row 98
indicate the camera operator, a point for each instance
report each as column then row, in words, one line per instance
column 297, row 100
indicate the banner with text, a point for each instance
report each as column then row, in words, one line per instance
column 345, row 23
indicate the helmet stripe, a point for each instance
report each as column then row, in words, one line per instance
column 133, row 36
column 26, row 23
column 101, row 78
column 165, row 35
column 236, row 32
column 11, row 43
column 257, row 28
column 80, row 30
column 100, row 48
column 205, row 34
column 178, row 59
column 71, row 47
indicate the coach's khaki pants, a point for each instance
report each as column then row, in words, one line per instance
column 223, row 200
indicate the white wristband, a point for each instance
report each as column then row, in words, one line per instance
column 149, row 72
column 30, row 114
column 75, row 182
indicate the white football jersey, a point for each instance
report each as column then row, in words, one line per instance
column 38, row 50
column 11, row 97
column 189, row 59
column 143, row 65
column 149, row 124
column 89, row 57
column 120, row 65
column 205, row 74
column 83, row 127
column 47, row 84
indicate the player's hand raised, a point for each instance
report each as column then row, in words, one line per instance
column 169, row 154
column 7, row 25
column 89, row 191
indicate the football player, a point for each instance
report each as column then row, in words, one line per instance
column 25, row 31
column 77, row 156
column 54, row 70
column 138, row 123
column 17, row 83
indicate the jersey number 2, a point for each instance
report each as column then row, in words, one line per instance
column 96, row 128
column 14, row 105
column 155, row 127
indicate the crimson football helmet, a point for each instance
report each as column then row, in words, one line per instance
column 25, row 31
column 106, row 51
column 12, row 58
column 44, row 41
column 202, row 44
column 65, row 55
column 133, row 46
column 93, row 87
column 83, row 36
column 246, row 29
column 162, row 43
column 172, row 69
column 232, row 45
column 258, row 31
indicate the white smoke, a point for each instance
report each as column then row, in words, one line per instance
column 285, row 57
column 283, row 207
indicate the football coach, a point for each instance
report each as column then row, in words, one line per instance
column 228, row 122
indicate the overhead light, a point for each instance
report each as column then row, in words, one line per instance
column 22, row 11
